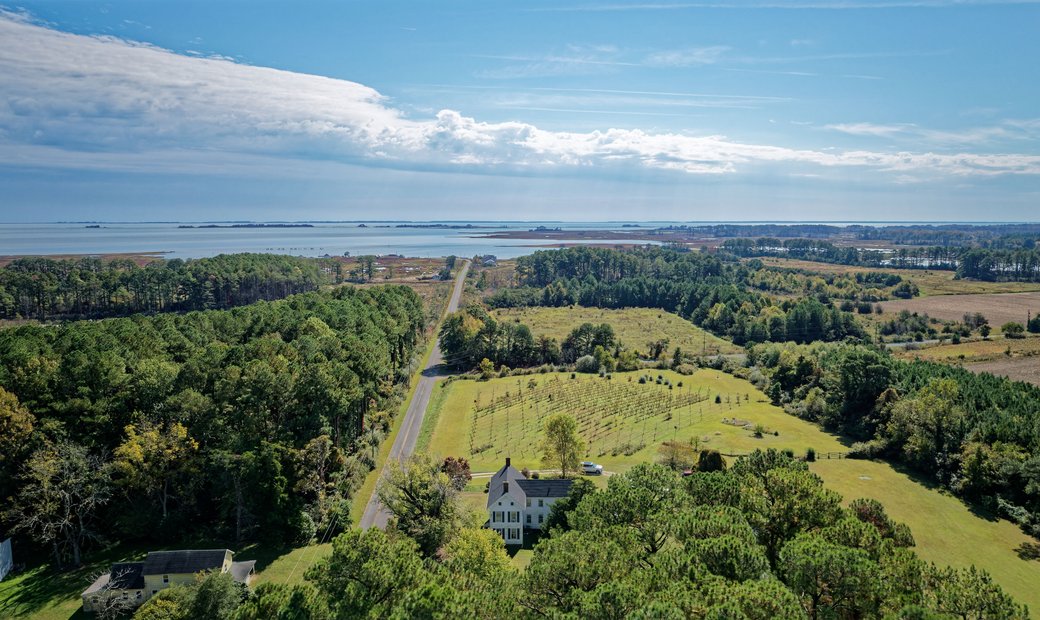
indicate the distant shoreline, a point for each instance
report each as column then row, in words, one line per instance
column 246, row 226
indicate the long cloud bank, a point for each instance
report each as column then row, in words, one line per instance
column 94, row 99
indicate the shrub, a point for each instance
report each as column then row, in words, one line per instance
column 810, row 454
column 1013, row 330
column 587, row 364
column 685, row 369
column 866, row 449
column 718, row 399
column 1034, row 325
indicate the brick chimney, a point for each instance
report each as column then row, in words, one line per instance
column 507, row 461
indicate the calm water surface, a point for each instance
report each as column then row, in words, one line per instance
column 333, row 239
column 325, row 238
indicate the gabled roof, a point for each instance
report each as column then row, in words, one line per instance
column 186, row 561
column 497, row 486
column 545, row 488
column 521, row 488
column 240, row 571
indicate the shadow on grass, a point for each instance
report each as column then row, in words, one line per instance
column 1028, row 551
column 264, row 554
column 531, row 538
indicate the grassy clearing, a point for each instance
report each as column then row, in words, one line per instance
column 930, row 282
column 635, row 327
column 622, row 422
column 288, row 566
column 946, row 530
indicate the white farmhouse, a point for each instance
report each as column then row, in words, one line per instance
column 516, row 503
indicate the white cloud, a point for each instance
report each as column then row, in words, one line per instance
column 830, row 5
column 1012, row 129
column 687, row 57
column 868, row 129
column 73, row 101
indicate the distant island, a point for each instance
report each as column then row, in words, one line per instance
column 440, row 226
column 247, row 226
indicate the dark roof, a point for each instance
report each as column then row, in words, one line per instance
column 545, row 488
column 181, row 562
column 127, row 576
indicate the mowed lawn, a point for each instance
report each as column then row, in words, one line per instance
column 622, row 421
column 946, row 530
column 634, row 327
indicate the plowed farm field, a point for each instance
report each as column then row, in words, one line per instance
column 997, row 308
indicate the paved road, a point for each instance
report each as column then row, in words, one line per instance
column 404, row 444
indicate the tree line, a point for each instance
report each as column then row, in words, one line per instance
column 252, row 423
column 708, row 290
column 472, row 336
column 45, row 289
column 1019, row 264
column 761, row 540
column 922, row 234
column 976, row 434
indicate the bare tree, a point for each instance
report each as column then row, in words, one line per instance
column 63, row 486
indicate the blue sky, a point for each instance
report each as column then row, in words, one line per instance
column 714, row 110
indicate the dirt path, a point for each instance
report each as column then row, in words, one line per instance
column 404, row 444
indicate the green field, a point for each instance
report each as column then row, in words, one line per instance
column 634, row 327
column 946, row 530
column 622, row 421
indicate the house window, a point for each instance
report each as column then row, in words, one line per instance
column 541, row 503
column 529, row 519
column 540, row 519
column 138, row 594
column 528, row 502
column 154, row 591
column 166, row 579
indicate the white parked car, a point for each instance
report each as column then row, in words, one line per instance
column 591, row 468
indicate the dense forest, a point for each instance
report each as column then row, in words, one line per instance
column 710, row 291
column 976, row 434
column 252, row 423
column 43, row 289
column 977, row 263
column 759, row 541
